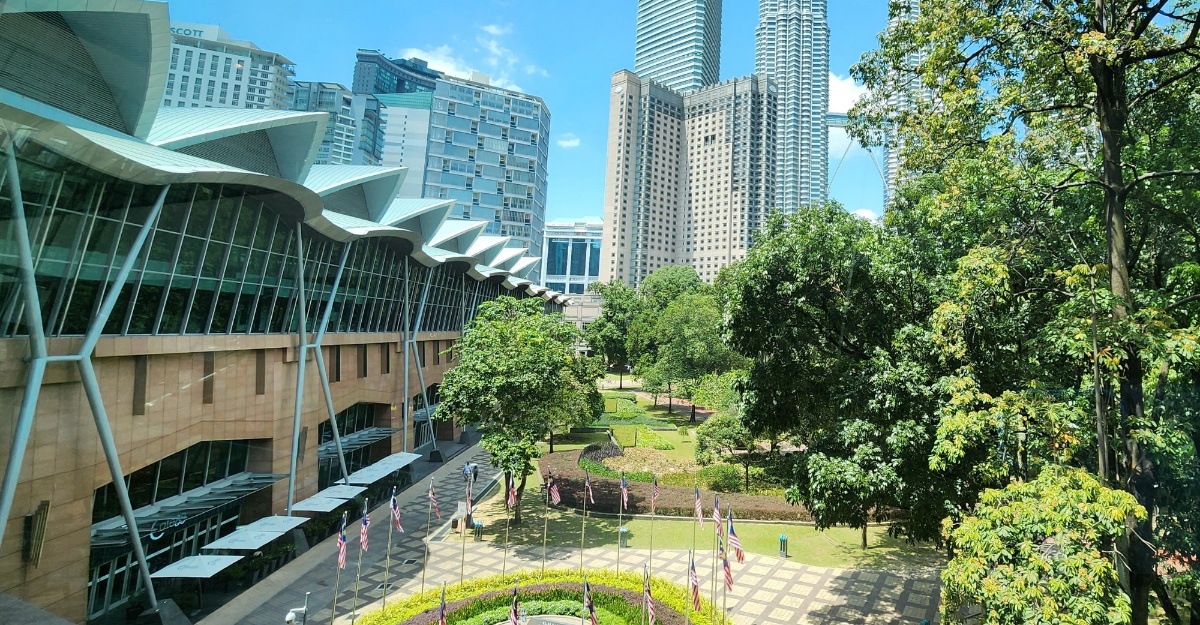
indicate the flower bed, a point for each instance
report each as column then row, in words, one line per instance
column 617, row 597
column 673, row 501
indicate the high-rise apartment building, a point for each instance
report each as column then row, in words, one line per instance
column 571, row 255
column 678, row 43
column 484, row 147
column 211, row 69
column 792, row 49
column 337, row 148
column 375, row 73
column 690, row 177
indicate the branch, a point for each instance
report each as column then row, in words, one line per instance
column 1164, row 174
column 1139, row 98
column 1148, row 18
column 1181, row 302
column 1188, row 43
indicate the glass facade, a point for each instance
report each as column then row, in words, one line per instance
column 220, row 260
column 572, row 255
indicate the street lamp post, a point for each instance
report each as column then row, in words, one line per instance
column 290, row 619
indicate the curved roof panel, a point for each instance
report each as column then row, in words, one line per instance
column 416, row 214
column 507, row 258
column 294, row 136
column 457, row 235
column 363, row 191
column 487, row 247
column 524, row 265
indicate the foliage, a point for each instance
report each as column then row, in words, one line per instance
column 684, row 431
column 607, row 335
column 718, row 391
column 724, row 437
column 616, row 587
column 639, row 436
column 536, row 607
column 1041, row 552
column 518, row 379
column 689, row 343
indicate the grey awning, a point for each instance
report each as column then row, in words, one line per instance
column 355, row 441
column 383, row 468
column 342, row 491
column 318, row 504
column 243, row 539
column 278, row 523
column 199, row 567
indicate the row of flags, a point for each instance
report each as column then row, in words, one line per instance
column 366, row 521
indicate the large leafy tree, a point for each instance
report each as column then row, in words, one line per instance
column 689, row 343
column 1078, row 115
column 608, row 335
column 1041, row 552
column 724, row 437
column 518, row 378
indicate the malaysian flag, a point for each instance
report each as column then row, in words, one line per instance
column 512, row 494
column 694, row 582
column 468, row 497
column 433, row 499
column 654, row 495
column 699, row 509
column 366, row 522
column 442, row 611
column 624, row 491
column 587, row 485
column 734, row 542
column 728, row 571
column 552, row 487
column 514, row 613
column 588, row 605
column 648, row 596
column 342, row 543
column 717, row 516
column 396, row 511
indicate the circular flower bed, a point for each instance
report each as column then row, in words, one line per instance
column 485, row 601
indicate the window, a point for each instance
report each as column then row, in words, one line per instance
column 385, row 358
column 437, row 352
column 362, row 361
column 210, row 372
column 335, row 364
column 139, row 385
column 260, row 372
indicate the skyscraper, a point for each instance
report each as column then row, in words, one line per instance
column 678, row 43
column 690, row 176
column 904, row 99
column 792, row 48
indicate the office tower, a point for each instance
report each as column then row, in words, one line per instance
column 369, row 122
column 908, row 93
column 571, row 255
column 678, row 43
column 484, row 147
column 792, row 49
column 690, row 177
column 211, row 69
column 337, row 148
column 375, row 73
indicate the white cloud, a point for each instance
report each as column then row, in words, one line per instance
column 492, row 57
column 843, row 92
column 866, row 213
column 568, row 141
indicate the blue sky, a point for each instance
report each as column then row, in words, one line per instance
column 564, row 51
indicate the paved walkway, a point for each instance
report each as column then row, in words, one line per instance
column 767, row 590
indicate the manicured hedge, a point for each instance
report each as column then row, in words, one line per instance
column 618, row 596
column 673, row 501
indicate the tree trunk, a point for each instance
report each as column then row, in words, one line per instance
column 864, row 536
column 520, row 493
column 1164, row 599
column 1113, row 114
column 693, row 419
column 621, row 379
column 551, row 441
column 747, row 465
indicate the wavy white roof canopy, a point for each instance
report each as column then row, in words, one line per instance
column 129, row 45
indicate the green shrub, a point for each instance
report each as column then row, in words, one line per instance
column 724, row 478
column 684, row 431
column 599, row 470
column 626, row 395
column 626, row 435
column 639, row 436
column 562, row 607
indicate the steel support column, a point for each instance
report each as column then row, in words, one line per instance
column 322, row 372
column 37, row 342
column 302, row 356
column 407, row 332
column 420, row 365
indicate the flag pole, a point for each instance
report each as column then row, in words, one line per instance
column 387, row 558
column 725, row 600
column 620, row 524
column 582, row 531
column 358, row 571
column 713, row 594
column 507, row 519
column 545, row 522
column 687, row 598
column 462, row 566
column 338, row 576
column 428, row 521
column 653, row 505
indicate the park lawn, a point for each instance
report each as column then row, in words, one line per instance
column 685, row 447
column 573, row 441
column 834, row 548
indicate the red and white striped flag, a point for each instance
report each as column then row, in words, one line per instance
column 366, row 522
column 588, row 604
column 728, row 571
column 716, row 517
column 442, row 611
column 734, row 542
column 396, row 511
column 646, row 592
column 553, row 488
column 587, row 485
column 624, row 491
column 433, row 500
column 654, row 495
column 699, row 509
column 342, row 543
column 468, row 498
column 512, row 494
column 694, row 582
